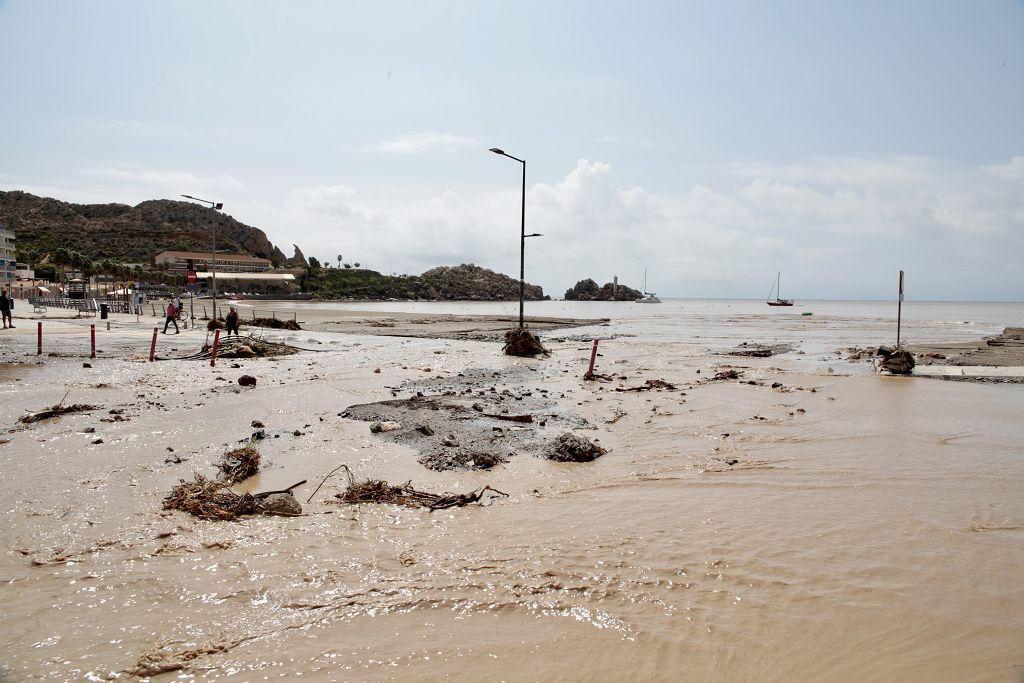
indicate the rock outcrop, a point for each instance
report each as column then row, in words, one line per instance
column 473, row 283
column 588, row 290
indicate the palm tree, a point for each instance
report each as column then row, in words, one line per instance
column 339, row 260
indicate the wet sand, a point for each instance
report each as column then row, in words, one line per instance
column 788, row 524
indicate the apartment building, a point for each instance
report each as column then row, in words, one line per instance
column 8, row 263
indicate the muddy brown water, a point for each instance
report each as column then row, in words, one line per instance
column 726, row 535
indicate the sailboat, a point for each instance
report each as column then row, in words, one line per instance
column 777, row 290
column 648, row 297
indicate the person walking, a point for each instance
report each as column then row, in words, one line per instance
column 231, row 321
column 171, row 313
column 6, row 306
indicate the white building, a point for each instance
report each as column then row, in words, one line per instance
column 8, row 264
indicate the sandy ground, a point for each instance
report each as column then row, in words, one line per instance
column 1002, row 350
column 730, row 485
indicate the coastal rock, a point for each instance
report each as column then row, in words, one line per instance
column 247, row 381
column 281, row 504
column 378, row 427
column 571, row 448
column 588, row 290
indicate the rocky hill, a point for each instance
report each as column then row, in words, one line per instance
column 133, row 234
column 466, row 282
column 588, row 290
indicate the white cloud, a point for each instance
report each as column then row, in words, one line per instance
column 423, row 142
column 838, row 227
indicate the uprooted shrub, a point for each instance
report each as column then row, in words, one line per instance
column 521, row 342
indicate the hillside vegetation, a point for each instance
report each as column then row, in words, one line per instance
column 133, row 234
column 466, row 282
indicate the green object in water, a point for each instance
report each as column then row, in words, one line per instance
column 806, row 313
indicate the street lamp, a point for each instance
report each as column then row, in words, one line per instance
column 522, row 235
column 216, row 206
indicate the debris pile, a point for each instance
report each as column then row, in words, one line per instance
column 239, row 464
column 378, row 491
column 211, row 500
column 275, row 323
column 214, row 499
column 248, row 347
column 521, row 342
column 571, row 448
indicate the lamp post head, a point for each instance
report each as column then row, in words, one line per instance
column 497, row 151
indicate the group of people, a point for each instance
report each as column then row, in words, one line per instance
column 174, row 309
column 6, row 306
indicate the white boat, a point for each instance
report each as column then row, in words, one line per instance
column 648, row 297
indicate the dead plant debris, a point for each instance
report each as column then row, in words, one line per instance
column 379, row 491
column 521, row 342
column 239, row 464
column 59, row 409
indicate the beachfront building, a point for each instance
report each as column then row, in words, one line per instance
column 178, row 262
column 8, row 263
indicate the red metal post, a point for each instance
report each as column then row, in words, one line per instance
column 39, row 338
column 593, row 357
column 213, row 353
column 92, row 332
column 152, row 348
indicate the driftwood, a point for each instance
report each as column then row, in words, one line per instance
column 377, row 491
column 511, row 418
column 648, row 385
column 56, row 410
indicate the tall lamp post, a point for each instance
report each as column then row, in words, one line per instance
column 216, row 206
column 522, row 235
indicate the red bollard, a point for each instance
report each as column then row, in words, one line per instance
column 213, row 353
column 39, row 336
column 152, row 348
column 92, row 331
column 593, row 357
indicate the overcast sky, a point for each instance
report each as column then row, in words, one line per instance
column 713, row 143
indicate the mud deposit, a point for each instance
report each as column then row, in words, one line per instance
column 476, row 420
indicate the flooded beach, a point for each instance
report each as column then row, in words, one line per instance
column 802, row 518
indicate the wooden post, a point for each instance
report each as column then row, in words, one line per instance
column 593, row 357
column 213, row 352
column 152, row 347
column 92, row 333
column 39, row 338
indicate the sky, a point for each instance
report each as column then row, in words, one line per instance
column 710, row 144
